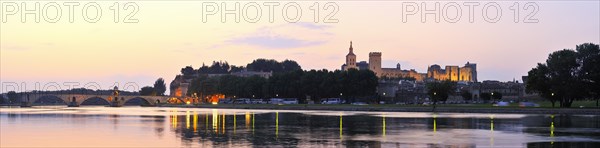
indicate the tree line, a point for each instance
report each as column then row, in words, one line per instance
column 300, row 84
column 262, row 65
column 158, row 89
column 568, row 75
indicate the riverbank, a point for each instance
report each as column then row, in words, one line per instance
column 399, row 108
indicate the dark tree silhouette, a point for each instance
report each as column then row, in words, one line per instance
column 147, row 91
column 440, row 90
column 466, row 95
column 187, row 71
column 567, row 75
column 160, row 87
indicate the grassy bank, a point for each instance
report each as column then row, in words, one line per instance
column 453, row 108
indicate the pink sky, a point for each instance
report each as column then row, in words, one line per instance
column 171, row 34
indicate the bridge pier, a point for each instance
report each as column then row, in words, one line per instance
column 73, row 104
column 116, row 102
column 75, row 100
column 115, row 105
column 25, row 104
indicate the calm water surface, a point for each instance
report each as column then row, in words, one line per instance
column 179, row 127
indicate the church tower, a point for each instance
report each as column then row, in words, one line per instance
column 350, row 59
column 375, row 63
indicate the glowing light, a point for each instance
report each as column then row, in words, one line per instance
column 383, row 124
column 188, row 102
column 492, row 123
column 434, row 123
column 195, row 122
column 174, row 116
column 187, row 119
column 215, row 103
column 248, row 119
column 552, row 126
column 215, row 120
column 234, row 123
column 491, row 130
column 276, row 124
column 341, row 125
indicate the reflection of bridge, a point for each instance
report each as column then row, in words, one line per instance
column 76, row 99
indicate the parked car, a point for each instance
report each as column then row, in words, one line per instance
column 290, row 101
column 225, row 101
column 332, row 101
column 242, row 101
column 427, row 103
column 258, row 101
column 275, row 101
column 501, row 103
column 528, row 104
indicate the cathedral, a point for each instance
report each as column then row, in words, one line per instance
column 467, row 73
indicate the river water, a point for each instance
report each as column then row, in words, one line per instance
column 182, row 127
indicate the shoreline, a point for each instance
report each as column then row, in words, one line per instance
column 377, row 108
column 389, row 108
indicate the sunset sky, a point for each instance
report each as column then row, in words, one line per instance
column 171, row 35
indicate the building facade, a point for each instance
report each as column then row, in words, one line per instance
column 467, row 73
column 350, row 58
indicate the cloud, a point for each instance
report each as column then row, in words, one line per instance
column 311, row 25
column 275, row 42
column 283, row 36
column 14, row 47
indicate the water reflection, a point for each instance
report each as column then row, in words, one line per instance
column 341, row 127
column 277, row 125
column 383, row 125
column 298, row 129
column 195, row 122
column 492, row 130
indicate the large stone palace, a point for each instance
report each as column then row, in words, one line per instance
column 467, row 73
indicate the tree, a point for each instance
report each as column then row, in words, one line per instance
column 272, row 65
column 13, row 97
column 160, row 87
column 496, row 95
column 565, row 75
column 538, row 82
column 147, row 91
column 486, row 96
column 289, row 65
column 187, row 71
column 466, row 95
column 588, row 56
column 2, row 99
column 236, row 68
column 440, row 90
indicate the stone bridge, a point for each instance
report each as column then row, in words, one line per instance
column 74, row 100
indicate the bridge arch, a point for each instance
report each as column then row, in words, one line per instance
column 49, row 100
column 39, row 98
column 96, row 100
column 174, row 100
column 137, row 101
